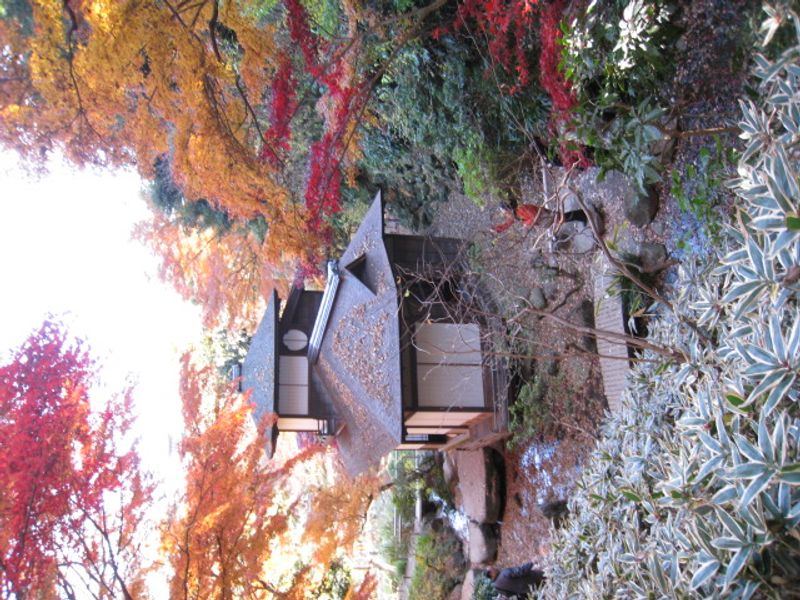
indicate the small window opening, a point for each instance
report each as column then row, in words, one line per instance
column 295, row 340
column 359, row 268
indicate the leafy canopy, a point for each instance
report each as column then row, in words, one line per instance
column 71, row 498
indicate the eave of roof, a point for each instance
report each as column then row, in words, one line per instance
column 260, row 367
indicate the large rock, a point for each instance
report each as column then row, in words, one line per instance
column 568, row 200
column 551, row 178
column 583, row 240
column 576, row 237
column 481, row 484
column 640, row 209
column 450, row 469
column 482, row 543
column 538, row 299
column 468, row 585
column 652, row 255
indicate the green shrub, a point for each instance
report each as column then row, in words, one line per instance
column 616, row 56
column 346, row 222
column 394, row 549
column 474, row 165
column 694, row 489
column 410, row 477
column 439, row 124
column 699, row 191
column 484, row 589
column 422, row 114
column 406, row 485
column 635, row 302
column 528, row 414
column 440, row 565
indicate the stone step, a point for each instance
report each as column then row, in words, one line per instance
column 614, row 364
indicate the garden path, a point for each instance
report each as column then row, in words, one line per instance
column 609, row 317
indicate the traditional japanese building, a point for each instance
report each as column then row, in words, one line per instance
column 382, row 358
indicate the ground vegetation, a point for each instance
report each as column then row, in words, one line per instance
column 702, row 458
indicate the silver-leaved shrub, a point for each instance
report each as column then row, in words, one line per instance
column 694, row 488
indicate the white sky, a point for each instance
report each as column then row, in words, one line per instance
column 66, row 250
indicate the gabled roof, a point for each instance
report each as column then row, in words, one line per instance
column 359, row 359
column 260, row 367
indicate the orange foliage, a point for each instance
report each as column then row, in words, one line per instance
column 218, row 539
column 113, row 82
column 345, row 504
column 366, row 590
column 527, row 214
column 242, row 516
column 227, row 273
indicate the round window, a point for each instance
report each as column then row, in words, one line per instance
column 295, row 340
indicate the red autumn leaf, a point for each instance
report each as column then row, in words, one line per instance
column 506, row 224
column 528, row 214
column 71, row 501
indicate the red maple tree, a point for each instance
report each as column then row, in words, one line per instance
column 71, row 501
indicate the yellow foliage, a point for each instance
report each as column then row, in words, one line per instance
column 227, row 273
column 337, row 514
column 235, row 510
column 112, row 82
